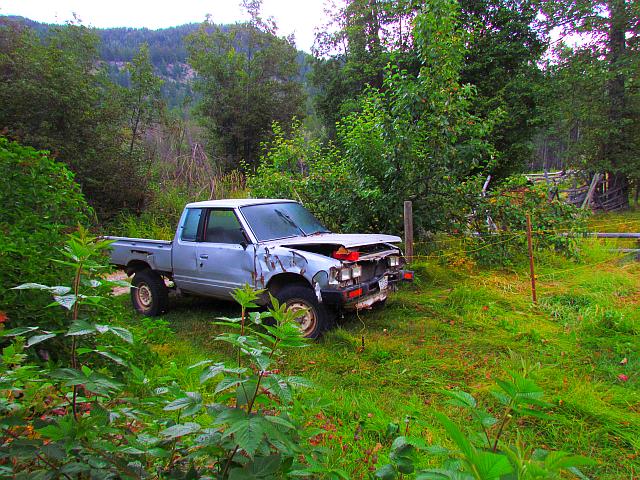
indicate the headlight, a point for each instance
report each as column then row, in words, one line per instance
column 394, row 261
column 345, row 274
column 356, row 271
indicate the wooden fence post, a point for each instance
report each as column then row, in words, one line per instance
column 408, row 230
column 531, row 267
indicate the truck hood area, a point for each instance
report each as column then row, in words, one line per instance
column 350, row 240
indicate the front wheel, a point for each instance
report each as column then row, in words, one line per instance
column 149, row 294
column 314, row 317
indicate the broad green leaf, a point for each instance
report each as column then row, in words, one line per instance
column 491, row 465
column 403, row 455
column 66, row 301
column 299, row 382
column 246, row 391
column 60, row 290
column 123, row 333
column 227, row 415
column 81, row 327
column 112, row 356
column 248, row 434
column 17, row 332
column 386, row 472
column 147, row 440
column 211, row 372
column 68, row 374
column 265, row 467
column 486, row 419
column 199, row 364
column 180, row 430
column 229, row 382
column 241, row 474
column 456, row 435
column 102, row 328
column 461, row 399
column 39, row 338
column 191, row 403
column 75, row 468
column 278, row 387
column 132, row 451
column 32, row 286
column 279, row 421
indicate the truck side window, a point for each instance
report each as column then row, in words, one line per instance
column 190, row 226
column 223, row 227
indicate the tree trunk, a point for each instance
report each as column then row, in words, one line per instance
column 615, row 147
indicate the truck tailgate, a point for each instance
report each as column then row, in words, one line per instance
column 157, row 253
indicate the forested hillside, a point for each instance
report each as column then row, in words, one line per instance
column 167, row 52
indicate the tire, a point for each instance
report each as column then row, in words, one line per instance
column 149, row 294
column 317, row 319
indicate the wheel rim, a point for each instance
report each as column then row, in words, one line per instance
column 307, row 320
column 144, row 295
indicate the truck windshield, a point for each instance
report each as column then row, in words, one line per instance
column 272, row 221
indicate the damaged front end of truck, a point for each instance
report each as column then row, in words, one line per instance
column 346, row 272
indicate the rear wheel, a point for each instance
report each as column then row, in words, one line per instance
column 149, row 294
column 314, row 317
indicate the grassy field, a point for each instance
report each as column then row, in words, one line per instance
column 460, row 326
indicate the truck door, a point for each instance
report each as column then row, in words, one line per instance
column 224, row 263
column 184, row 250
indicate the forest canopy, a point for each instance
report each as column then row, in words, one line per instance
column 495, row 89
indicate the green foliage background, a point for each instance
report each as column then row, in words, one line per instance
column 39, row 203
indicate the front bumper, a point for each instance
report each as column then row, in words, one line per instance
column 365, row 294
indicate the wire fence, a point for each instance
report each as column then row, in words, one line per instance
column 452, row 246
column 465, row 246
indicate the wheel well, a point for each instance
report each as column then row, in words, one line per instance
column 281, row 280
column 135, row 266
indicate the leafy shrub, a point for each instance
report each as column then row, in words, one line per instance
column 484, row 453
column 416, row 139
column 498, row 222
column 299, row 168
column 55, row 96
column 39, row 203
column 77, row 418
column 157, row 330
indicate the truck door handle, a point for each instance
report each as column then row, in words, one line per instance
column 204, row 256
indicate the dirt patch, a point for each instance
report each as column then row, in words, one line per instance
column 117, row 291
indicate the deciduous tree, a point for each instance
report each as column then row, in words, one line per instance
column 248, row 79
column 505, row 47
column 609, row 120
column 54, row 96
column 143, row 95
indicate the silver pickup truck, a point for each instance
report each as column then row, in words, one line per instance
column 273, row 245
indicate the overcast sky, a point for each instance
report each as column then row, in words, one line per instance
column 299, row 17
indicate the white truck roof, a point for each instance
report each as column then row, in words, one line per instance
column 235, row 202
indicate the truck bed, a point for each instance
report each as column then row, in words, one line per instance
column 157, row 253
